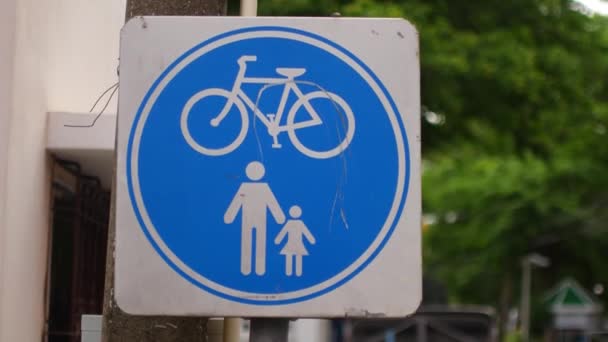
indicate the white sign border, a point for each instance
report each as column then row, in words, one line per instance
column 265, row 298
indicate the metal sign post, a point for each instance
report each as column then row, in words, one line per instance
column 269, row 330
column 264, row 329
column 269, row 167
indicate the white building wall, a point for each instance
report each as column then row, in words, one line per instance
column 83, row 58
column 65, row 53
column 55, row 56
column 7, row 28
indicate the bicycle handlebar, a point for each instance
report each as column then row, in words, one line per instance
column 245, row 59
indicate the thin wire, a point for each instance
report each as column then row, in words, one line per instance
column 115, row 87
column 339, row 195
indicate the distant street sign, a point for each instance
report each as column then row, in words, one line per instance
column 268, row 167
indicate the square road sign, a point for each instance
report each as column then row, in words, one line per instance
column 268, row 167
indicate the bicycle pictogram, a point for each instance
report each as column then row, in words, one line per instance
column 273, row 121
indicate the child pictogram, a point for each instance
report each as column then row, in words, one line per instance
column 296, row 231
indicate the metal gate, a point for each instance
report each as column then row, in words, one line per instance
column 78, row 240
column 430, row 323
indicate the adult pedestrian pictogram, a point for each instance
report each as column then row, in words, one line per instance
column 253, row 199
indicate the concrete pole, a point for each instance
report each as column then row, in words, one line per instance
column 175, row 7
column 117, row 325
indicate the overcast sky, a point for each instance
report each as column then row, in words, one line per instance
column 599, row 6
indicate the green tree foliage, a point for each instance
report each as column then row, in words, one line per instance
column 515, row 136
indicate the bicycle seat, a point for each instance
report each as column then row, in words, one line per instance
column 291, row 72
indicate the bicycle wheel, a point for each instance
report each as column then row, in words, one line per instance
column 207, row 93
column 339, row 106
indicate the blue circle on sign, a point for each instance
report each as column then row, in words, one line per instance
column 268, row 165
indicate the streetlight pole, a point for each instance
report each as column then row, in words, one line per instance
column 264, row 329
column 525, row 300
column 526, row 280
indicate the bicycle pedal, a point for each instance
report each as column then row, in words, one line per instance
column 277, row 145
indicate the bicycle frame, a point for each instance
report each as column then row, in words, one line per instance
column 236, row 97
column 273, row 121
